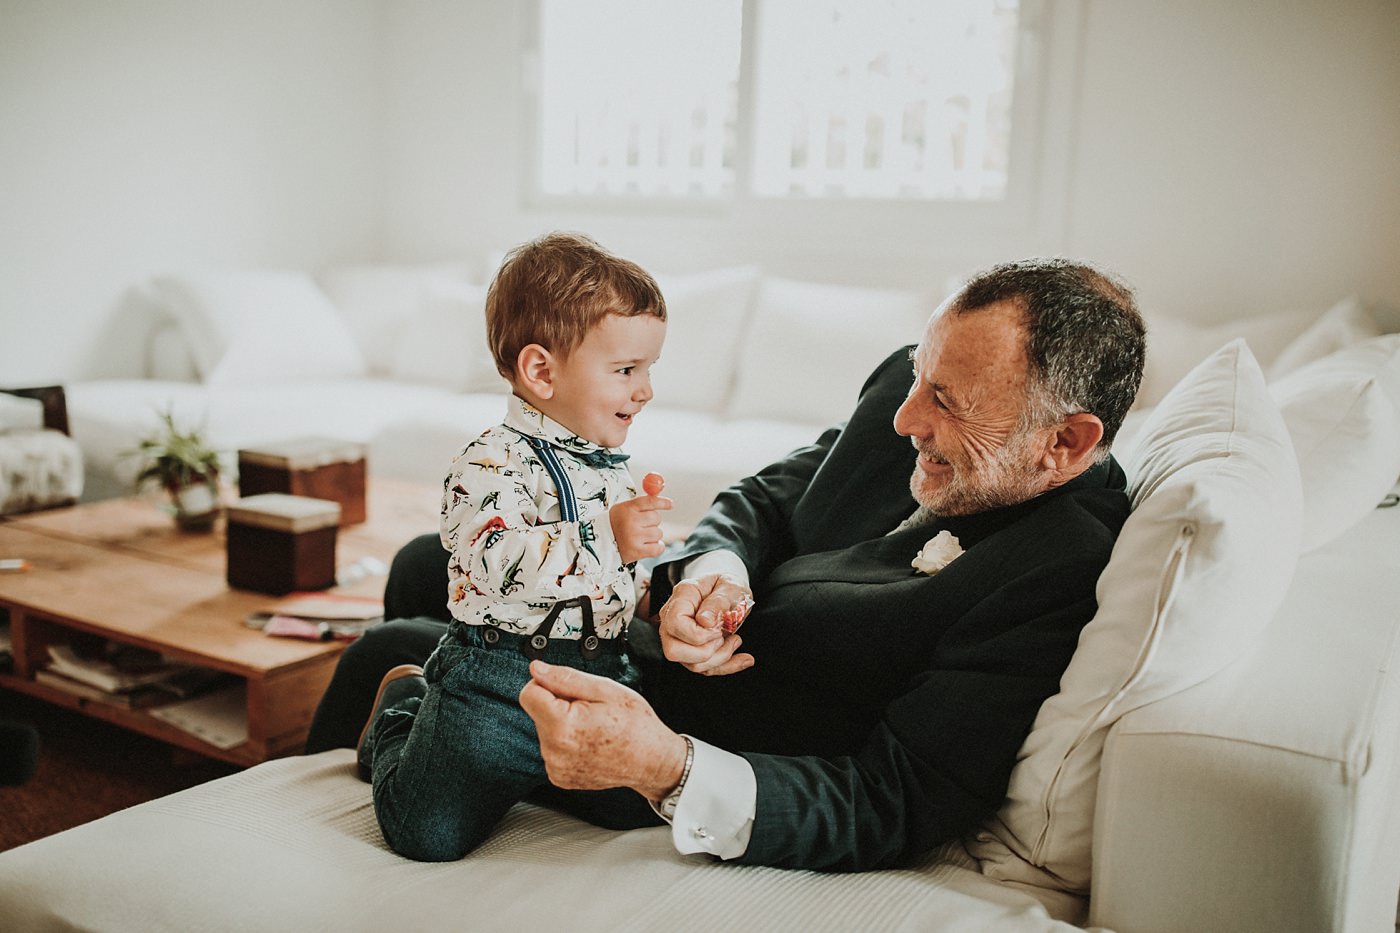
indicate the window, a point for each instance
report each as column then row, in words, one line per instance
column 638, row 98
column 792, row 99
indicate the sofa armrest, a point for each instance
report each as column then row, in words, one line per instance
column 1266, row 797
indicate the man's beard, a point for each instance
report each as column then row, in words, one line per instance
column 1006, row 478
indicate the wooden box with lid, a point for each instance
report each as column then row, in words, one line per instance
column 317, row 467
column 279, row 543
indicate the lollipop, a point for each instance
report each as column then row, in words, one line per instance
column 653, row 483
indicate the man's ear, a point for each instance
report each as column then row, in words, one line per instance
column 1073, row 445
column 534, row 370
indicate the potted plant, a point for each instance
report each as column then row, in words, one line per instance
column 186, row 468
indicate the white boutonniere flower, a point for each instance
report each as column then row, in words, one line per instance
column 940, row 551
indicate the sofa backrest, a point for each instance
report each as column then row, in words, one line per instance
column 1231, row 478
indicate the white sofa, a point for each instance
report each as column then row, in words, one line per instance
column 1222, row 753
column 394, row 357
column 1263, row 799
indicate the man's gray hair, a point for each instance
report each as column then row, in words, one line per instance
column 1084, row 336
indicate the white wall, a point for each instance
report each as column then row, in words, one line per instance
column 1238, row 157
column 458, row 175
column 147, row 135
column 1226, row 158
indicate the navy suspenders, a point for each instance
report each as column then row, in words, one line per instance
column 568, row 502
column 588, row 643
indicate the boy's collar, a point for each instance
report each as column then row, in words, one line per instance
column 529, row 420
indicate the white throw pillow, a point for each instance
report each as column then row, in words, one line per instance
column 18, row 413
column 810, row 347
column 377, row 300
column 1345, row 323
column 1343, row 412
column 444, row 343
column 1174, row 345
column 168, row 354
column 705, row 316
column 1201, row 566
column 259, row 326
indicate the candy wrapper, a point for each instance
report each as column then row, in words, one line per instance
column 732, row 618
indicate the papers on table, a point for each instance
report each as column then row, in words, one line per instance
column 219, row 718
column 319, row 616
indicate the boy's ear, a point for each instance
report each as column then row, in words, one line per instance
column 534, row 367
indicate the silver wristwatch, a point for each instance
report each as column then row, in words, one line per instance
column 667, row 807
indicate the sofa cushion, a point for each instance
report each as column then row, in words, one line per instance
column 1343, row 413
column 705, row 316
column 376, row 300
column 443, row 343
column 1200, row 567
column 298, row 848
column 1174, row 345
column 250, row 327
column 1345, row 323
column 809, row 347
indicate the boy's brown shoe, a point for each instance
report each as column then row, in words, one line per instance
column 400, row 683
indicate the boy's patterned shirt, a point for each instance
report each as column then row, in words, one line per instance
column 512, row 555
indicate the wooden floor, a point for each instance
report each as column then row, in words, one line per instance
column 88, row 769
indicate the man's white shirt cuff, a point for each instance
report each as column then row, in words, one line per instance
column 724, row 562
column 716, row 809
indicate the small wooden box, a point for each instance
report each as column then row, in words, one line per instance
column 315, row 466
column 279, row 543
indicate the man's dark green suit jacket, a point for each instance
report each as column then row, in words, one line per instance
column 886, row 707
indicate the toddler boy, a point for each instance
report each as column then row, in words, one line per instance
column 543, row 523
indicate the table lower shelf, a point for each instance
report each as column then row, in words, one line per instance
column 253, row 750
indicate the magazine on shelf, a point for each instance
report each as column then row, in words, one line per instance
column 118, row 669
column 139, row 698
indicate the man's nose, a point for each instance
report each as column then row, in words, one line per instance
column 913, row 418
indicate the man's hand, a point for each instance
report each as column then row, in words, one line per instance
column 691, row 633
column 595, row 733
column 636, row 524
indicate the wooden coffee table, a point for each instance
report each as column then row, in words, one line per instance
column 120, row 569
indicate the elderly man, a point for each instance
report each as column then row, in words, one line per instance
column 877, row 708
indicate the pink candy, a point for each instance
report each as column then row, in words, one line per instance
column 731, row 619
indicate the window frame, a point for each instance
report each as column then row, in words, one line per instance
column 1043, row 117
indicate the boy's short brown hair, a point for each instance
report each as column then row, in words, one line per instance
column 554, row 289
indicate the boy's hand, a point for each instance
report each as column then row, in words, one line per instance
column 693, row 625
column 636, row 525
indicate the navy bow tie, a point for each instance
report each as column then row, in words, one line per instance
column 599, row 459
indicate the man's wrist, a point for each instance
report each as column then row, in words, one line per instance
column 667, row 805
column 673, row 773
